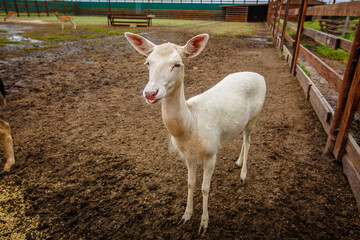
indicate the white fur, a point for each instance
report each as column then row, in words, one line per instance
column 201, row 125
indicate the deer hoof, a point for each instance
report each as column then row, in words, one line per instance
column 4, row 173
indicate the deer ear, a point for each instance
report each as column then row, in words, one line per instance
column 195, row 45
column 142, row 45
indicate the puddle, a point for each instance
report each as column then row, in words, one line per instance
column 258, row 39
column 19, row 38
column 12, row 32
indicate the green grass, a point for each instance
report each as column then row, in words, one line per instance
column 81, row 20
column 307, row 45
column 40, row 48
column 305, row 71
column 214, row 28
column 48, row 37
column 339, row 54
column 7, row 41
column 313, row 25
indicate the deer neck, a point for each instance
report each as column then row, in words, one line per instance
column 175, row 112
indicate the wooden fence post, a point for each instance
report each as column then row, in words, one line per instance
column 276, row 2
column 348, row 115
column 64, row 6
column 46, row 7
column 302, row 13
column 278, row 22
column 55, row 6
column 27, row 8
column 6, row 11
column 37, row 7
column 269, row 12
column 76, row 8
column 72, row 7
column 284, row 25
column 345, row 87
column 17, row 9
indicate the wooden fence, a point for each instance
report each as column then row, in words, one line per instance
column 336, row 122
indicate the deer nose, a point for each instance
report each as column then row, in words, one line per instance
column 151, row 95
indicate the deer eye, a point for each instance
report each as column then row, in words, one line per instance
column 176, row 66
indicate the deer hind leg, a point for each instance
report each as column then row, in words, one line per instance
column 191, row 166
column 5, row 134
column 208, row 166
column 242, row 160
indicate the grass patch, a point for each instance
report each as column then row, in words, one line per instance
column 4, row 41
column 40, row 48
column 214, row 28
column 93, row 35
column 83, row 32
column 349, row 36
column 3, row 31
column 305, row 71
column 339, row 54
column 99, row 24
column 313, row 25
column 307, row 45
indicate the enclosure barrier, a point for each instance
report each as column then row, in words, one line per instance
column 222, row 10
column 38, row 7
column 335, row 123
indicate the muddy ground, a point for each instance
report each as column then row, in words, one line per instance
column 94, row 162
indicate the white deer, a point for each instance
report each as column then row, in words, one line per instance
column 202, row 124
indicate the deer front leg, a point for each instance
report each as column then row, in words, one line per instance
column 208, row 166
column 74, row 25
column 191, row 166
column 5, row 134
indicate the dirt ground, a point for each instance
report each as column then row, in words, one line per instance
column 94, row 162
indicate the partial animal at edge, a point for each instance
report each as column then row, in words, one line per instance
column 5, row 134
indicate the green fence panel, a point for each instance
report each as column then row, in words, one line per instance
column 138, row 5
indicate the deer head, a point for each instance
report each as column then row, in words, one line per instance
column 166, row 68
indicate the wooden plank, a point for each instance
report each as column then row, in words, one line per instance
column 353, row 150
column 236, row 13
column 345, row 44
column 317, row 100
column 304, row 80
column 322, row 68
column 339, row 9
column 289, row 39
column 323, row 38
column 353, row 177
column 287, row 55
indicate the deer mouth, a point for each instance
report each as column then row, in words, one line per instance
column 152, row 101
